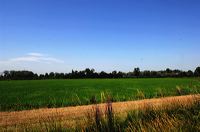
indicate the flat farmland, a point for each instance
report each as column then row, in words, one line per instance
column 31, row 94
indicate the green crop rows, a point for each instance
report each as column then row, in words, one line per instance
column 20, row 95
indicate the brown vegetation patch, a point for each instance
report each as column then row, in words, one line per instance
column 71, row 115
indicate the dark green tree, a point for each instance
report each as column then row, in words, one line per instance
column 197, row 72
column 189, row 73
column 51, row 75
column 46, row 76
column 136, row 72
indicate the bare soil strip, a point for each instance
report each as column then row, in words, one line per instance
column 72, row 114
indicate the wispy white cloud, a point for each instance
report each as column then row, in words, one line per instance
column 35, row 54
column 33, row 57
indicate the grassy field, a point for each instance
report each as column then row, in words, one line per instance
column 19, row 95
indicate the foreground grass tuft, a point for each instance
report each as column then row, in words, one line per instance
column 175, row 118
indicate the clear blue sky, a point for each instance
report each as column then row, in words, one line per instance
column 60, row 35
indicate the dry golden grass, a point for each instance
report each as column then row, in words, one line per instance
column 70, row 116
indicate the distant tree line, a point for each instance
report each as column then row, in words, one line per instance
column 90, row 73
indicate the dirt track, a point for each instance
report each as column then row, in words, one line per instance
column 72, row 114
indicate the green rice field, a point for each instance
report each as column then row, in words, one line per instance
column 31, row 94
